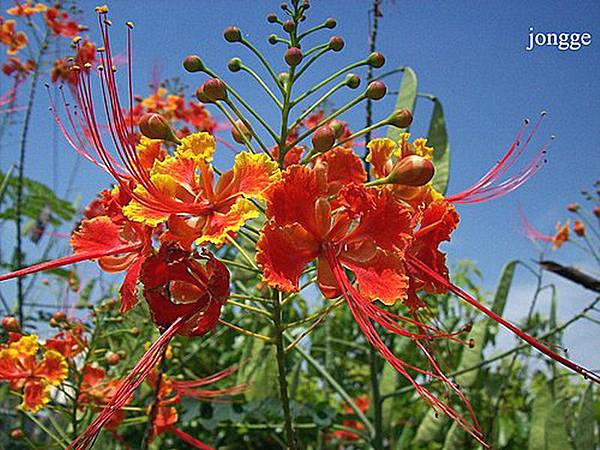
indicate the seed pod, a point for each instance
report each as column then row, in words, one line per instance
column 193, row 63
column 232, row 34
column 323, row 139
column 155, row 126
column 336, row 43
column 412, row 170
column 376, row 90
column 376, row 59
column 293, row 56
column 243, row 131
column 401, row 118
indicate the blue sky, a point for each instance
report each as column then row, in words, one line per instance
column 470, row 54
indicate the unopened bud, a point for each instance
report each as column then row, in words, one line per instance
column 193, row 63
column 45, row 281
column 235, row 64
column 155, row 126
column 323, row 139
column 272, row 39
column 401, row 118
column 293, row 56
column 330, row 23
column 283, row 77
column 240, row 131
column 214, row 89
column 17, row 434
column 336, row 43
column 135, row 331
column 232, row 34
column 376, row 90
column 111, row 358
column 596, row 211
column 10, row 323
column 352, row 80
column 201, row 96
column 289, row 26
column 412, row 170
column 337, row 127
column 376, row 59
column 579, row 228
column 573, row 207
column 272, row 18
column 59, row 316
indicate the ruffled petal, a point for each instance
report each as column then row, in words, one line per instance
column 220, row 225
column 380, row 154
column 343, row 167
column 283, row 252
column 253, row 173
column 97, row 235
column 128, row 289
column 36, row 395
column 53, row 368
column 197, row 146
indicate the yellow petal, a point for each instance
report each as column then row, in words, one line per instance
column 197, row 146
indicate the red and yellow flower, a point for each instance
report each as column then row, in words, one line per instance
column 21, row 367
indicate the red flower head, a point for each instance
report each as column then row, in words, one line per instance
column 17, row 68
column 96, row 390
column 9, row 36
column 183, row 284
column 68, row 343
column 61, row 24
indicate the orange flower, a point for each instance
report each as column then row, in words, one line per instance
column 346, row 435
column 561, row 236
column 96, row 390
column 68, row 343
column 15, row 67
column 20, row 366
column 27, row 9
column 9, row 36
column 62, row 68
column 61, row 24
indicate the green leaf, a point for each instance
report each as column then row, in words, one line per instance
column 429, row 428
column 437, row 137
column 471, row 357
column 585, row 424
column 557, row 437
column 261, row 371
column 455, row 438
column 503, row 288
column 407, row 97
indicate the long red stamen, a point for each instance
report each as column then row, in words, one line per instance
column 490, row 186
column 530, row 231
column 72, row 259
column 363, row 317
column 516, row 330
column 190, row 440
column 128, row 387
column 206, row 380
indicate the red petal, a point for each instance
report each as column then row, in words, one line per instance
column 129, row 287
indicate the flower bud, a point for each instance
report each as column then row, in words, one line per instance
column 401, row 118
column 111, row 358
column 214, row 89
column 352, row 80
column 573, row 207
column 337, row 127
column 376, row 90
column 272, row 39
column 283, row 77
column 10, row 323
column 17, row 434
column 412, row 170
column 289, row 26
column 330, row 23
column 579, row 228
column 45, row 281
column 293, row 56
column 234, row 64
column 193, row 63
column 336, row 43
column 323, row 139
column 272, row 18
column 135, row 331
column 155, row 126
column 232, row 34
column 376, row 59
column 59, row 316
column 243, row 131
column 596, row 211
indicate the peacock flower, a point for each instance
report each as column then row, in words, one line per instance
column 9, row 36
column 21, row 367
column 61, row 23
column 182, row 193
column 96, row 390
column 369, row 234
column 27, row 9
column 68, row 343
column 107, row 236
column 18, row 69
column 62, row 69
column 558, row 239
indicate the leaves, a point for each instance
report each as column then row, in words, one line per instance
column 437, row 137
column 585, row 424
column 407, row 97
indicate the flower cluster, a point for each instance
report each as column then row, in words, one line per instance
column 370, row 227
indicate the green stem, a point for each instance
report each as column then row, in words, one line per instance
column 259, row 80
column 376, row 402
